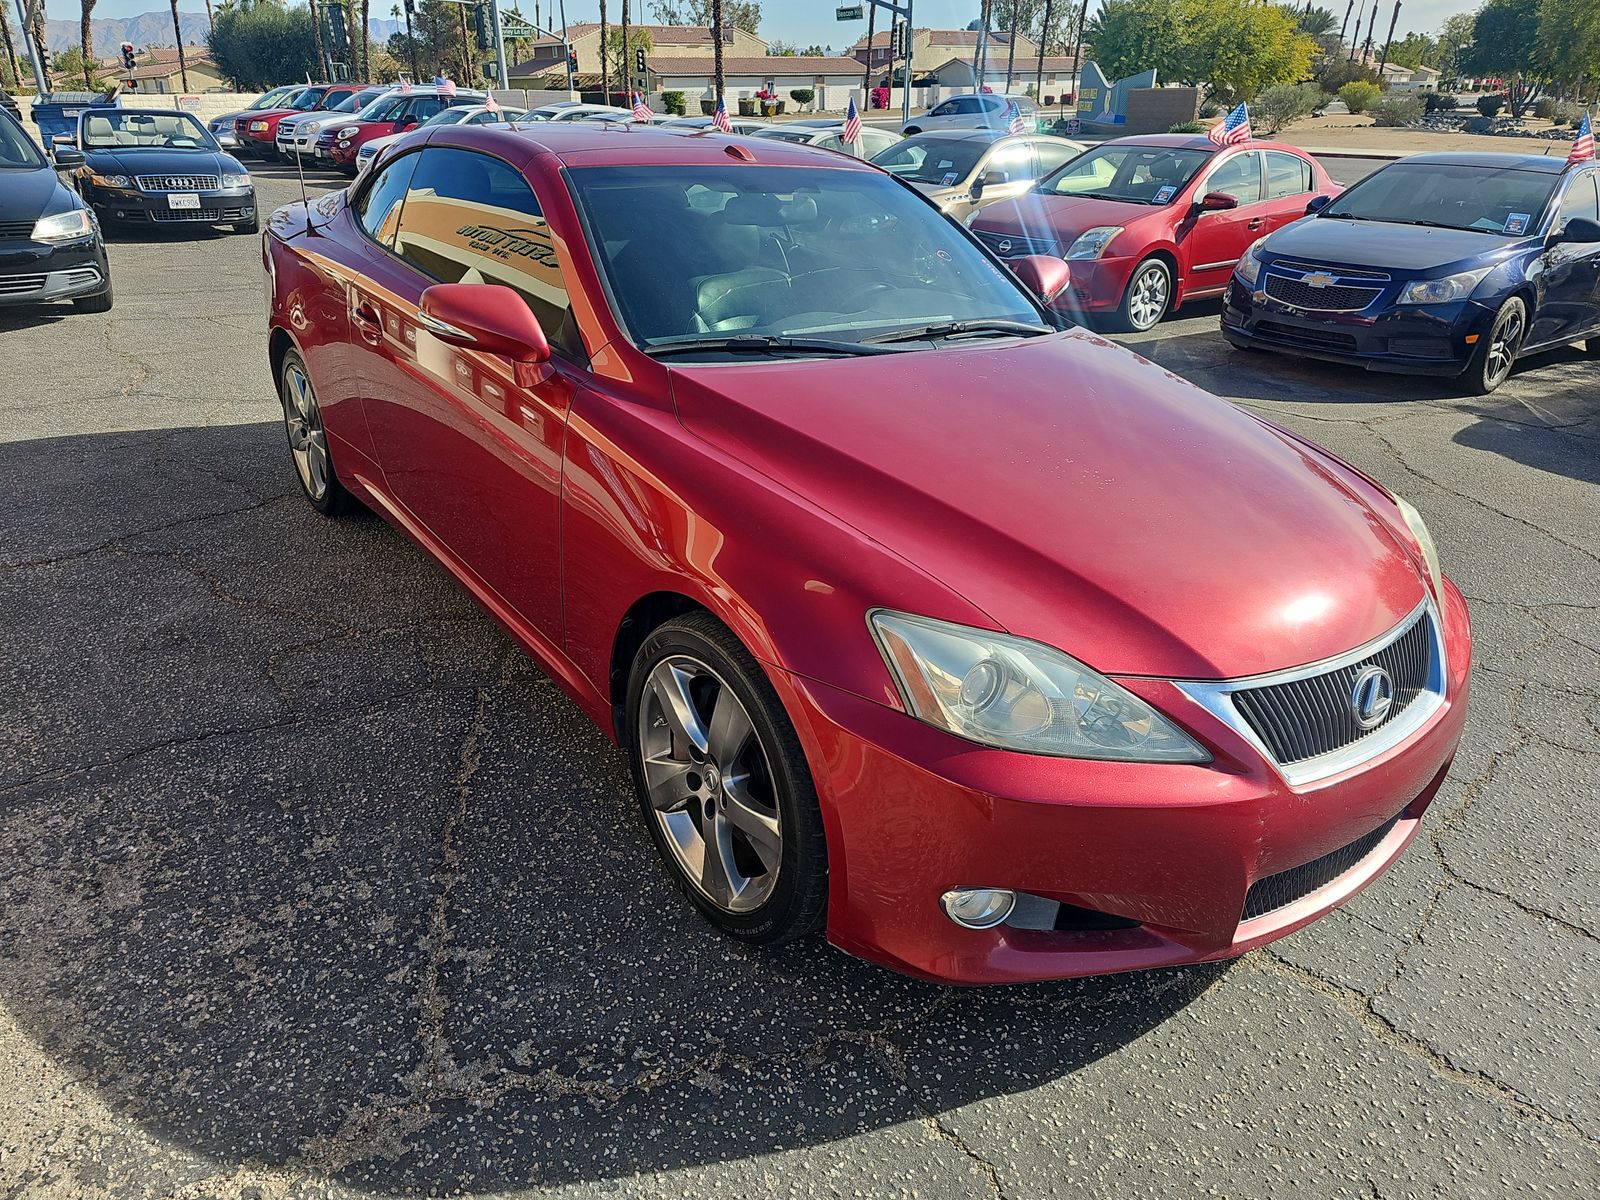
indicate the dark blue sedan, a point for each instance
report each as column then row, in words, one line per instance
column 1440, row 264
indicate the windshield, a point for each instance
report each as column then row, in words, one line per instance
column 16, row 148
column 798, row 136
column 446, row 116
column 308, row 99
column 371, row 111
column 939, row 161
column 355, row 101
column 273, row 98
column 105, row 128
column 1488, row 199
column 788, row 252
column 1138, row 174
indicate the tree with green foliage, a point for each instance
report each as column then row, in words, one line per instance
column 1334, row 74
column 1234, row 48
column 1030, row 18
column 70, row 64
column 1414, row 50
column 1454, row 36
column 1569, row 40
column 259, row 46
column 1317, row 22
column 1505, row 43
column 740, row 14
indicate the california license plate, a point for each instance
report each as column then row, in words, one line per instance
column 183, row 200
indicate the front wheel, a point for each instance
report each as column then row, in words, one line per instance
column 308, row 440
column 1491, row 362
column 253, row 225
column 98, row 303
column 1147, row 298
column 724, row 784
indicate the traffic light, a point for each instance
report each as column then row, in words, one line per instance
column 481, row 31
column 638, row 60
column 127, row 56
column 338, row 32
column 902, row 39
column 572, row 63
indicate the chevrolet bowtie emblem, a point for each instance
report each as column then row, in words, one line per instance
column 1318, row 279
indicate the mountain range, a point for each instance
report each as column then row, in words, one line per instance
column 153, row 29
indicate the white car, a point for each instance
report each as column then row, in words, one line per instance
column 470, row 114
column 297, row 135
column 975, row 110
column 741, row 125
column 565, row 110
column 830, row 136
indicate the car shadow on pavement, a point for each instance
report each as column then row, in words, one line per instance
column 304, row 866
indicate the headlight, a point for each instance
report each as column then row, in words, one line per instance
column 233, row 181
column 258, row 126
column 63, row 227
column 111, row 181
column 1092, row 243
column 349, row 131
column 1430, row 553
column 1249, row 268
column 1015, row 694
column 1443, row 291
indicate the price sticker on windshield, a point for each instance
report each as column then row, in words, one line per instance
column 1165, row 194
column 948, row 179
column 1517, row 223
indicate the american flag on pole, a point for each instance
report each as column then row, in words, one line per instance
column 447, row 88
column 1014, row 122
column 403, row 86
column 1583, row 147
column 490, row 105
column 720, row 119
column 852, row 123
column 641, row 110
column 1232, row 129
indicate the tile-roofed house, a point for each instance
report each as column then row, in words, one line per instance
column 665, row 41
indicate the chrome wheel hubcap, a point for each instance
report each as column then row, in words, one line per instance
column 1147, row 298
column 710, row 784
column 1503, row 347
column 308, row 441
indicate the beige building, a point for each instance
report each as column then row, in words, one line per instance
column 933, row 48
column 156, row 71
column 666, row 41
column 743, row 77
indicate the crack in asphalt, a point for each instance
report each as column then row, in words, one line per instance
column 120, row 540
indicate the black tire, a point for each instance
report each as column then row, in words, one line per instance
column 1592, row 346
column 332, row 500
column 1133, row 315
column 253, row 225
column 1496, row 352
column 95, row 304
column 910, row 131
column 797, row 898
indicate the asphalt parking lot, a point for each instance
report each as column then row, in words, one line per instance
column 313, row 887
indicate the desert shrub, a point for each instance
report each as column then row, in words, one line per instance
column 1440, row 102
column 1396, row 110
column 1545, row 108
column 1490, row 106
column 673, row 102
column 1187, row 127
column 1339, row 71
column 1359, row 94
column 1210, row 109
column 1281, row 105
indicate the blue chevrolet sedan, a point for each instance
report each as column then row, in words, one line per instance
column 1440, row 264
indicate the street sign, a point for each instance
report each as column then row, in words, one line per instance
column 511, row 30
column 849, row 12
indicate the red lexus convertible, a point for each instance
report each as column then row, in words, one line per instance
column 1002, row 652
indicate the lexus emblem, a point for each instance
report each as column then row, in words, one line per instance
column 1318, row 279
column 1371, row 697
column 1005, row 246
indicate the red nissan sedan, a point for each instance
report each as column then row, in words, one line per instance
column 1148, row 223
column 919, row 613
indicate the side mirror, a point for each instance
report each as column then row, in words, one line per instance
column 1316, row 204
column 1217, row 202
column 406, row 127
column 64, row 139
column 67, row 157
column 1578, row 231
column 1042, row 274
column 487, row 317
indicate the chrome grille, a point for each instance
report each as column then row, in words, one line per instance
column 1336, row 297
column 21, row 285
column 1301, row 719
column 1010, row 245
column 16, row 229
column 183, row 214
column 177, row 183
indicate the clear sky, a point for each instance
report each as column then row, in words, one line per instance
column 798, row 21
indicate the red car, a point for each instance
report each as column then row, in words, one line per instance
column 919, row 612
column 257, row 132
column 397, row 111
column 1150, row 222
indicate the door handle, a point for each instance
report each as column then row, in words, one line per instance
column 366, row 319
column 1255, row 223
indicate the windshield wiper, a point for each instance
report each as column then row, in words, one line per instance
column 1442, row 225
column 760, row 343
column 949, row 329
column 1345, row 216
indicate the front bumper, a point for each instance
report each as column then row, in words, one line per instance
column 1172, row 851
column 35, row 272
column 1417, row 340
column 224, row 206
column 1098, row 284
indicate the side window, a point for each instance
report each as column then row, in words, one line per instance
column 873, row 142
column 424, row 107
column 1287, row 175
column 964, row 107
column 378, row 209
column 834, row 142
column 1579, row 201
column 1239, row 177
column 392, row 110
column 1015, row 161
column 1052, row 156
column 947, row 109
column 469, row 218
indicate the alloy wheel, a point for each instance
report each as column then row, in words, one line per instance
column 1147, row 296
column 308, row 441
column 1504, row 343
column 710, row 784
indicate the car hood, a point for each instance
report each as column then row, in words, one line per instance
column 1081, row 496
column 127, row 160
column 29, row 195
column 1380, row 244
column 1061, row 218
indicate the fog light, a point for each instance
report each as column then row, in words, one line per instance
column 978, row 908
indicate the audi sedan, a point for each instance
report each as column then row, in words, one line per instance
column 921, row 615
column 149, row 167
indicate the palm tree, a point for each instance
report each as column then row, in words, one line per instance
column 316, row 36
column 366, row 40
column 11, row 47
column 211, row 17
column 1317, row 21
column 1011, row 45
column 605, row 56
column 86, row 7
column 177, row 32
column 716, row 43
